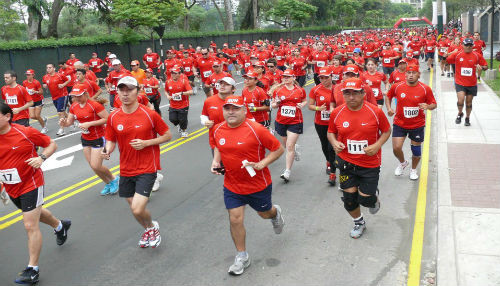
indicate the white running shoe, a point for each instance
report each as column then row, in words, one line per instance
column 45, row 121
column 156, row 186
column 297, row 152
column 154, row 235
column 184, row 134
column 60, row 132
column 413, row 174
column 4, row 197
column 74, row 127
column 179, row 130
column 144, row 241
column 278, row 222
column 239, row 265
column 286, row 175
column 357, row 230
column 400, row 168
column 44, row 130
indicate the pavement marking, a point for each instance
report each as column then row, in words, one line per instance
column 414, row 267
column 89, row 182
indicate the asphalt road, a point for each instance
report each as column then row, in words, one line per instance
column 196, row 249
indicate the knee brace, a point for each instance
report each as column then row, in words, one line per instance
column 368, row 202
column 460, row 105
column 469, row 106
column 350, row 201
column 416, row 150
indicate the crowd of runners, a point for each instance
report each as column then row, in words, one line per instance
column 356, row 77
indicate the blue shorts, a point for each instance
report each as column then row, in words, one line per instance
column 60, row 103
column 281, row 129
column 429, row 56
column 259, row 201
column 416, row 134
column 230, row 67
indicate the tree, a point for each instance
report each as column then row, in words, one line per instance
column 35, row 10
column 228, row 7
column 345, row 10
column 9, row 21
column 288, row 11
column 186, row 16
column 55, row 11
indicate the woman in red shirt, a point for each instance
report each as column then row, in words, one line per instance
column 298, row 64
column 374, row 79
column 34, row 88
column 92, row 117
column 289, row 99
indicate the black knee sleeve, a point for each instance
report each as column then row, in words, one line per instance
column 460, row 105
column 350, row 201
column 469, row 106
column 368, row 202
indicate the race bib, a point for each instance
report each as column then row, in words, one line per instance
column 207, row 73
column 387, row 61
column 325, row 115
column 10, row 176
column 187, row 69
column 148, row 90
column 444, row 50
column 356, row 146
column 177, row 97
column 278, row 58
column 375, row 91
column 320, row 64
column 415, row 52
column 217, row 85
column 466, row 71
column 430, row 48
column 112, row 88
column 335, row 77
column 11, row 99
column 411, row 112
column 369, row 53
column 396, row 49
column 68, row 77
column 30, row 91
column 94, row 64
column 247, row 65
column 149, row 59
column 288, row 111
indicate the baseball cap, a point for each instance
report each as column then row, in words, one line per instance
column 352, row 84
column 351, row 68
column 288, row 72
column 324, row 72
column 409, row 54
column 176, row 69
column 112, row 56
column 149, row 70
column 234, row 100
column 30, row 71
column 128, row 80
column 116, row 62
column 357, row 50
column 216, row 63
column 228, row 80
column 412, row 68
column 403, row 61
column 468, row 41
column 251, row 74
column 134, row 63
column 78, row 89
column 260, row 64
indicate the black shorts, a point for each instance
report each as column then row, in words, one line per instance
column 30, row 200
column 265, row 123
column 96, row 143
column 281, row 129
column 416, row 134
column 429, row 56
column 23, row 122
column 141, row 184
column 351, row 175
column 37, row 103
column 157, row 73
column 441, row 58
column 380, row 102
column 388, row 70
column 469, row 90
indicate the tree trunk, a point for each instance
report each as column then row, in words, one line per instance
column 229, row 14
column 57, row 6
column 33, row 26
column 255, row 15
column 224, row 20
column 186, row 22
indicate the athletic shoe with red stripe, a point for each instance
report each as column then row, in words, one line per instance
column 144, row 242
column 154, row 235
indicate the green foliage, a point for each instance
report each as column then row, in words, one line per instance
column 9, row 26
column 286, row 11
column 427, row 9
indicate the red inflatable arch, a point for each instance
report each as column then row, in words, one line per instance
column 414, row 19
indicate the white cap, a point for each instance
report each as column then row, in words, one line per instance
column 128, row 80
column 228, row 80
column 112, row 56
column 116, row 62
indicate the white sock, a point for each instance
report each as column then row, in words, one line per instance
column 34, row 267
column 242, row 254
column 59, row 226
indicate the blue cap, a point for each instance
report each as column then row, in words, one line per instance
column 357, row 50
column 468, row 41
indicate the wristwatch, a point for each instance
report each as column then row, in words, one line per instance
column 43, row 157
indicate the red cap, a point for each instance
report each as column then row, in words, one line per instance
column 250, row 73
column 351, row 68
column 149, row 70
column 353, row 84
column 409, row 54
column 216, row 63
column 260, row 64
column 412, row 68
column 78, row 89
column 175, row 68
column 288, row 72
column 254, row 56
column 325, row 72
column 86, row 65
column 94, row 54
column 235, row 100
column 403, row 60
column 171, row 51
column 30, row 71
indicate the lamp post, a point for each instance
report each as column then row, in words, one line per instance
column 492, row 34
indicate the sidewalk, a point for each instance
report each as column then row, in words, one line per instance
column 468, row 189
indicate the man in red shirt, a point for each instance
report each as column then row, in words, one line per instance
column 178, row 90
column 170, row 62
column 91, row 86
column 56, row 83
column 187, row 63
column 34, row 88
column 151, row 86
column 135, row 128
column 204, row 70
column 95, row 63
column 466, row 64
column 388, row 56
column 114, row 76
column 357, row 130
column 153, row 61
column 72, row 59
column 430, row 47
column 319, row 59
column 413, row 99
column 23, row 179
column 241, row 144
column 212, row 81
column 69, row 72
column 479, row 47
column 17, row 98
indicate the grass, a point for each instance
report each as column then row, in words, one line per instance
column 495, row 83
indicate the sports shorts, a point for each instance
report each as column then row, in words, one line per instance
column 351, row 175
column 96, row 143
column 281, row 129
column 30, row 200
column 141, row 184
column 60, row 103
column 416, row 134
column 259, row 201
column 469, row 90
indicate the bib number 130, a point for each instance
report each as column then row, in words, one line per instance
column 356, row 146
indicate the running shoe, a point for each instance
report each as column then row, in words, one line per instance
column 442, row 74
column 60, row 132
column 376, row 208
column 44, row 130
column 154, row 235
column 459, row 118
column 467, row 121
column 332, row 179
column 144, row 241
column 286, row 175
column 239, row 265
column 400, row 168
column 156, row 185
column 179, row 130
column 413, row 174
column 115, row 185
column 62, row 235
column 278, row 222
column 357, row 230
column 106, row 189
column 184, row 134
column 448, row 75
column 297, row 152
column 28, row 276
column 328, row 168
column 4, row 197
column 74, row 127
column 478, row 80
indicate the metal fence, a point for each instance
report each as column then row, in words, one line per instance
column 37, row 59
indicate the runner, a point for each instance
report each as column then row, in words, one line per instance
column 479, row 47
column 298, row 64
column 399, row 74
column 256, row 99
column 152, row 61
column 72, row 59
column 17, row 98
column 114, row 76
column 135, row 128
column 203, row 67
column 289, row 99
column 178, row 90
column 136, row 71
column 388, row 56
column 319, row 101
column 91, row 86
column 430, row 47
column 56, row 83
column 212, row 81
column 91, row 116
column 23, row 180
column 151, row 87
column 357, row 131
column 466, row 62
column 34, row 88
column 241, row 144
column 320, row 59
column 96, row 64
column 187, row 63
column 443, row 46
column 374, row 80
column 350, row 71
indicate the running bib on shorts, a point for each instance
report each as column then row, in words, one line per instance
column 387, row 61
column 10, row 176
column 375, row 91
column 466, row 71
column 177, row 97
column 188, row 69
column 148, row 90
column 149, row 59
column 320, row 64
column 288, row 111
column 356, row 146
column 325, row 115
column 207, row 73
column 335, row 76
column 411, row 112
column 30, row 91
column 11, row 99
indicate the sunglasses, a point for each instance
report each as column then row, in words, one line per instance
column 270, row 66
column 204, row 54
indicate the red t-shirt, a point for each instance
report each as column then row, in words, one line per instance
column 359, row 129
column 478, row 46
column 88, row 113
column 397, row 76
column 321, row 95
column 70, row 73
column 415, row 47
column 204, row 67
column 465, row 67
column 430, row 46
column 214, row 78
column 374, row 82
column 32, row 88
column 248, row 141
column 256, row 98
column 337, row 73
column 443, row 46
column 141, row 98
column 212, row 108
column 386, row 58
column 148, row 83
column 16, row 97
column 321, row 59
column 288, row 112
column 19, row 145
column 53, row 81
column 151, row 60
column 114, row 77
column 71, row 62
column 169, row 64
column 297, row 64
column 142, row 124
column 408, row 114
column 91, row 87
column 181, row 85
column 188, row 65
column 94, row 64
